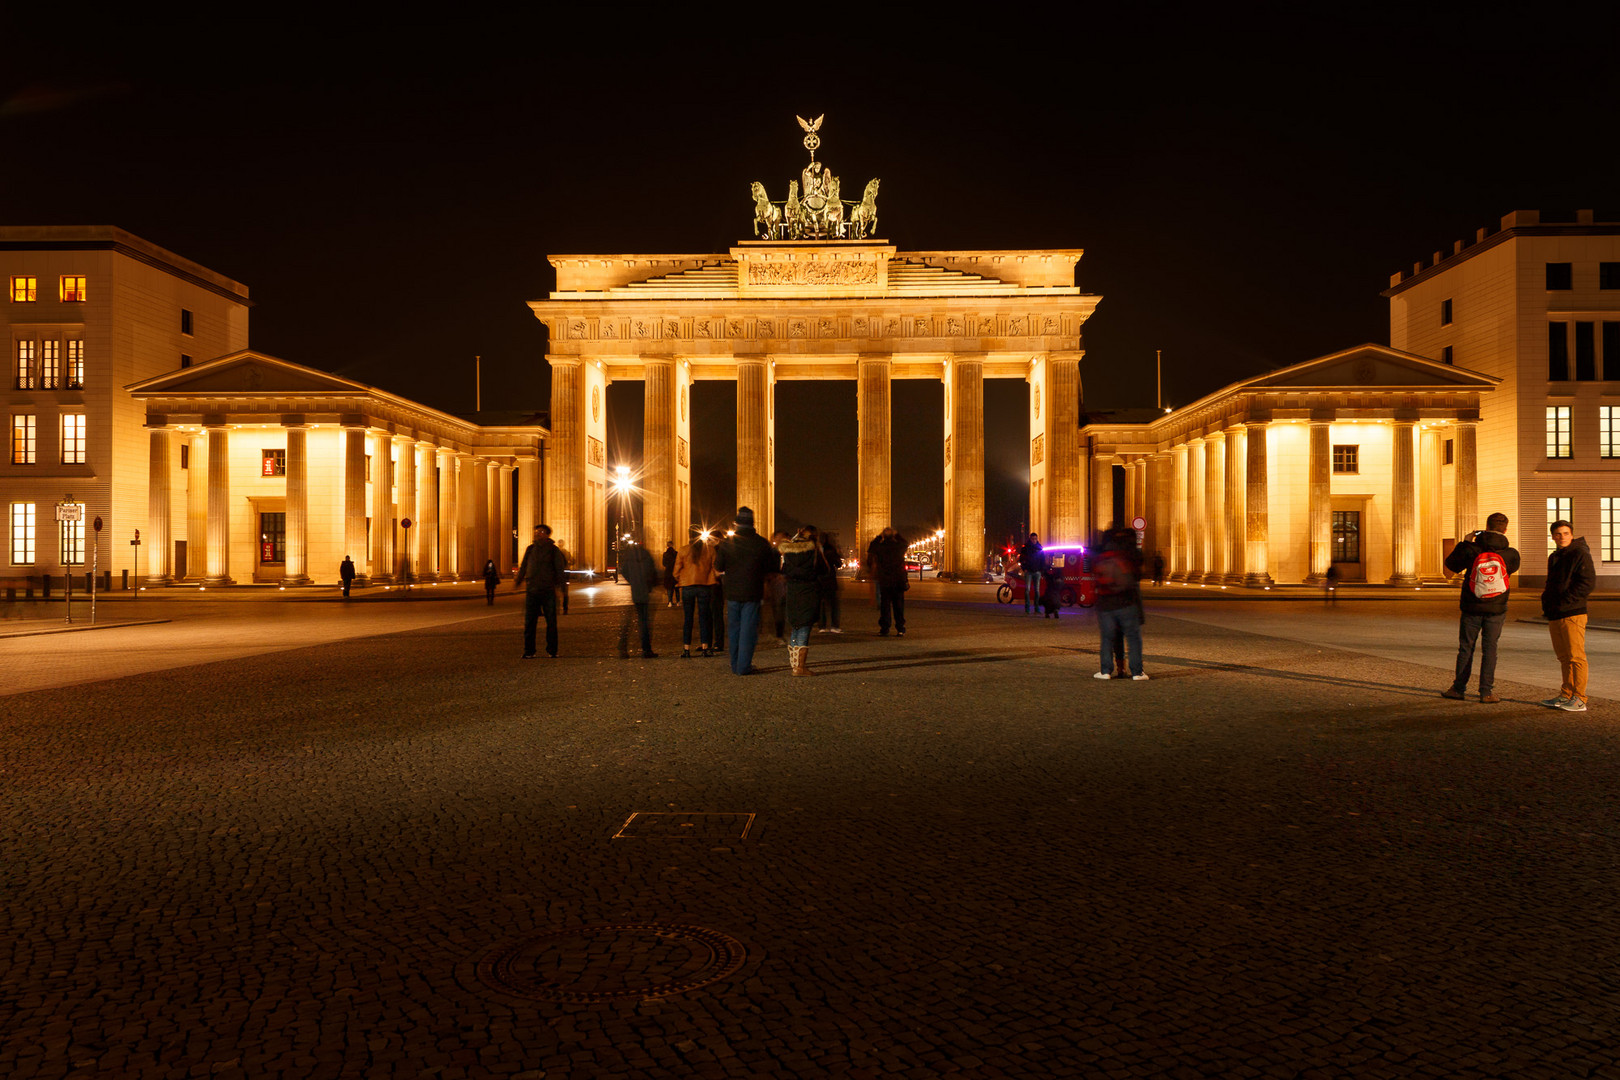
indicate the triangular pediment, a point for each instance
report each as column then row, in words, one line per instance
column 1371, row 366
column 245, row 373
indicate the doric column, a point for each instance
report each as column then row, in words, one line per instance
column 382, row 508
column 196, row 507
column 427, row 514
column 405, row 559
column 528, row 498
column 1256, row 507
column 965, row 514
column 1403, row 504
column 478, row 543
column 1429, row 555
column 1197, row 517
column 1161, row 534
column 219, row 506
column 565, row 474
column 1065, row 469
column 1082, row 476
column 1465, row 470
column 874, row 510
column 1233, row 526
column 1143, row 467
column 1131, row 509
column 1319, row 488
column 158, row 546
column 753, row 439
column 1180, row 540
column 1102, row 494
column 1215, row 564
column 468, row 562
column 503, row 523
column 297, row 567
column 450, row 513
column 354, row 502
column 658, row 500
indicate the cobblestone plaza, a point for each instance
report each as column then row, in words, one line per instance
column 365, row 840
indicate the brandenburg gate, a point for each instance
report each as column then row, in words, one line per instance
column 814, row 297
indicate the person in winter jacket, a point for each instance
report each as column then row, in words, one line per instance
column 804, row 565
column 886, row 562
column 694, row 572
column 1117, row 570
column 636, row 567
column 545, row 569
column 1032, row 566
column 1486, row 562
column 1570, row 577
column 742, row 563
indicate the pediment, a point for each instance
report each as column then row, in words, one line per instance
column 247, row 374
column 1372, row 366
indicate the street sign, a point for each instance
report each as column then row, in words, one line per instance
column 1139, row 523
column 69, row 511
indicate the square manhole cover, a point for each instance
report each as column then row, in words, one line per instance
column 671, row 826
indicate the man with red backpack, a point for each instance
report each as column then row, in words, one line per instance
column 1486, row 562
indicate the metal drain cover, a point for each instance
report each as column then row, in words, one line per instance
column 611, row 962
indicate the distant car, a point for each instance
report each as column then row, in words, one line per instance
column 914, row 567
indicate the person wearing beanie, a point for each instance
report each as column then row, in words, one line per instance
column 742, row 562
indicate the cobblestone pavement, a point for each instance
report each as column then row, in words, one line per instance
column 392, row 854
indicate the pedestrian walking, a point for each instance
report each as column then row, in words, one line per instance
column 346, row 575
column 742, row 563
column 1486, row 561
column 1117, row 570
column 1570, row 578
column 670, row 585
column 1330, row 586
column 1158, row 568
column 1051, row 591
column 827, row 586
column 637, row 570
column 1032, row 565
column 694, row 571
column 886, row 558
column 492, row 578
column 804, row 564
column 545, row 571
column 568, row 560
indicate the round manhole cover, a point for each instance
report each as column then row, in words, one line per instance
column 611, row 962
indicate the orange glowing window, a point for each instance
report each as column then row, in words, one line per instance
column 24, row 290
column 72, row 288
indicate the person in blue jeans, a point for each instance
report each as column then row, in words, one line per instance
column 1117, row 570
column 1032, row 565
column 742, row 562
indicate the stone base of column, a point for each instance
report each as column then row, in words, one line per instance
column 1233, row 579
column 208, row 581
column 298, row 579
column 163, row 580
column 1177, row 579
column 1405, row 580
column 1258, row 581
column 1315, row 579
column 380, row 579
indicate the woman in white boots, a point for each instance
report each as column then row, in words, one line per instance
column 803, row 564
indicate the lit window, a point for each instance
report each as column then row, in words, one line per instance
column 1609, row 431
column 50, row 364
column 22, row 534
column 1609, row 511
column 73, row 438
column 27, row 379
column 72, row 533
column 1347, row 459
column 1557, row 510
column 22, row 438
column 274, row 462
column 272, row 539
column 72, row 288
column 75, row 363
column 1558, row 432
column 24, row 290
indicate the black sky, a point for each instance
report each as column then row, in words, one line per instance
column 1243, row 183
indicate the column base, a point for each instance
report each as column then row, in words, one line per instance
column 211, row 581
column 1405, row 580
column 158, row 579
column 1258, row 581
column 298, row 579
column 1315, row 579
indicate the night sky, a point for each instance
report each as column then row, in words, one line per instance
column 389, row 189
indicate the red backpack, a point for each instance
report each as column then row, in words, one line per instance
column 1488, row 576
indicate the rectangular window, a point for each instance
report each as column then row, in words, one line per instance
column 1611, row 350
column 272, row 538
column 1347, row 536
column 1450, row 451
column 50, row 364
column 1558, row 431
column 73, row 438
column 1560, row 276
column 185, row 456
column 72, row 533
column 27, row 377
column 1347, row 459
column 185, row 361
column 185, row 321
column 1609, row 431
column 22, row 438
column 72, row 288
column 1609, row 514
column 22, row 534
column 1446, row 356
column 273, row 463
column 1557, row 510
column 368, row 468
column 1445, row 312
column 1585, row 352
column 1557, row 351
column 75, row 363
column 1609, row 275
column 24, row 290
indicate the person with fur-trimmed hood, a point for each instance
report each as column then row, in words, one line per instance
column 804, row 565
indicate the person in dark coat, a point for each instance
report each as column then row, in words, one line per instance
column 742, row 562
column 346, row 574
column 1032, row 565
column 492, row 578
column 671, row 586
column 1486, row 562
column 804, row 565
column 886, row 560
column 636, row 569
column 827, row 586
column 1117, row 570
column 546, row 571
column 1570, row 578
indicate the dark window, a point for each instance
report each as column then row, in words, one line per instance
column 1347, row 536
column 1585, row 352
column 1450, row 450
column 185, row 456
column 1445, row 355
column 272, row 538
column 185, row 361
column 1445, row 313
column 185, row 320
column 1609, row 275
column 1557, row 351
column 1347, row 459
column 1560, row 276
column 275, row 462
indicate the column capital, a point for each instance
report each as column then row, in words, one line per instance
column 1255, row 422
column 294, row 420
column 215, row 423
column 1067, row 354
column 1323, row 416
column 556, row 360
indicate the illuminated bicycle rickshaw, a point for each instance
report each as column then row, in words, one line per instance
column 1074, row 580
